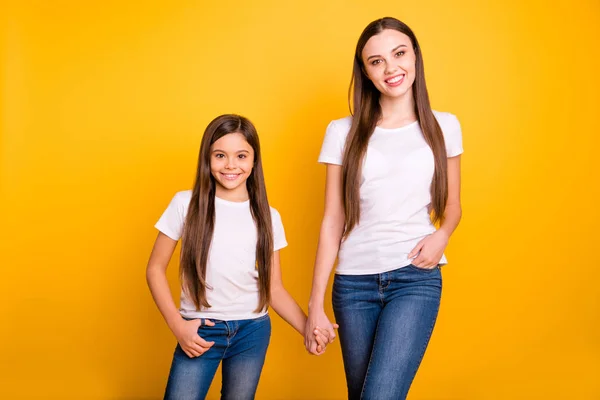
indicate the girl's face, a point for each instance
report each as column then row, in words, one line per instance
column 389, row 60
column 231, row 162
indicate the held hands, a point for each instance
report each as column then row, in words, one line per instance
column 187, row 336
column 319, row 332
column 429, row 250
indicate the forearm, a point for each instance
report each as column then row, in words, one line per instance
column 329, row 244
column 287, row 308
column 452, row 216
column 161, row 293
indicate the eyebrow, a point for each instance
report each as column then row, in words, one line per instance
column 395, row 48
column 223, row 151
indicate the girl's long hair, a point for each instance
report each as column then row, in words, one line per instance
column 200, row 221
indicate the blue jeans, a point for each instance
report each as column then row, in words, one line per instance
column 385, row 321
column 241, row 345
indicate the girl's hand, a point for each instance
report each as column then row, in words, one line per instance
column 429, row 250
column 187, row 336
column 323, row 339
column 319, row 332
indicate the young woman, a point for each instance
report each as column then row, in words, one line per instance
column 393, row 170
column 229, row 268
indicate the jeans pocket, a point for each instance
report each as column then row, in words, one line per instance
column 426, row 270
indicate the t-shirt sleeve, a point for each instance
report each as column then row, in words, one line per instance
column 279, row 241
column 332, row 150
column 172, row 220
column 453, row 137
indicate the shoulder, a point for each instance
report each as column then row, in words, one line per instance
column 340, row 126
column 275, row 216
column 183, row 197
column 181, row 200
column 448, row 122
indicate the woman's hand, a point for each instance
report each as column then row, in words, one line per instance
column 319, row 332
column 429, row 251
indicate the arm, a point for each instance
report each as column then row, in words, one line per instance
column 332, row 228
column 431, row 248
column 282, row 302
column 453, row 210
column 186, row 332
column 287, row 308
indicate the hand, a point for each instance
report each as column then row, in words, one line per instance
column 191, row 343
column 429, row 250
column 319, row 332
column 323, row 339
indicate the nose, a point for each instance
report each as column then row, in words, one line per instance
column 390, row 68
column 230, row 163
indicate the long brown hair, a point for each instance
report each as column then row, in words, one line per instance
column 200, row 221
column 366, row 112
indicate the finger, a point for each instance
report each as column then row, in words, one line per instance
column 335, row 326
column 192, row 353
column 323, row 332
column 313, row 347
column 321, row 340
column 321, row 349
column 199, row 349
column 308, row 341
column 331, row 334
column 208, row 322
column 196, row 322
column 416, row 250
column 307, row 346
column 203, row 342
column 325, row 336
column 419, row 261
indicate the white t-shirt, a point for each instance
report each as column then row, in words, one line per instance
column 231, row 273
column 394, row 193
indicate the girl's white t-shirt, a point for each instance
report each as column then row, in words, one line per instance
column 231, row 274
column 394, row 193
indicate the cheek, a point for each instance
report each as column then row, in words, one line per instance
column 372, row 73
column 248, row 165
column 215, row 164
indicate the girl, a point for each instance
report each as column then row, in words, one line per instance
column 389, row 165
column 229, row 268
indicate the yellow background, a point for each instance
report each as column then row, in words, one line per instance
column 102, row 109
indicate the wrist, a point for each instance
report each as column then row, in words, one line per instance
column 444, row 232
column 315, row 305
column 173, row 321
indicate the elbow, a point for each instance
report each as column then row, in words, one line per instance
column 151, row 271
column 334, row 221
column 275, row 295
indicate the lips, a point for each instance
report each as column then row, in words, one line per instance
column 230, row 177
column 395, row 80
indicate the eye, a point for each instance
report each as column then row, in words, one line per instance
column 400, row 53
column 375, row 62
column 219, row 155
column 242, row 156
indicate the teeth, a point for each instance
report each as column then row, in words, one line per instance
column 231, row 176
column 396, row 79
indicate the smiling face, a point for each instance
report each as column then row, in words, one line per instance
column 389, row 62
column 231, row 163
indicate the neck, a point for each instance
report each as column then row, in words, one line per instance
column 237, row 195
column 397, row 110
